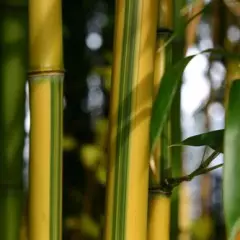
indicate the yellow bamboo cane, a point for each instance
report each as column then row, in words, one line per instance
column 45, row 77
column 131, row 96
column 159, row 203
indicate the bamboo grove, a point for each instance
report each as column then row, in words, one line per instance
column 145, row 185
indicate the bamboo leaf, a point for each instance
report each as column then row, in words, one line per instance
column 167, row 90
column 213, row 139
column 231, row 189
column 168, row 87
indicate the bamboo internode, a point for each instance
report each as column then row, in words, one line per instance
column 131, row 96
column 46, row 89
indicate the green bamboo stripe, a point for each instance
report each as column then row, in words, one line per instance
column 176, row 163
column 168, row 163
column 124, row 113
column 178, row 53
column 179, row 21
column 56, row 157
column 165, row 162
column 164, row 153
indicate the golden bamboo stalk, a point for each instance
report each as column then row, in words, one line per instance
column 160, row 56
column 131, row 97
column 159, row 203
column 159, row 212
column 45, row 77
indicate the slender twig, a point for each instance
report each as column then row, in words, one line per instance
column 209, row 159
column 169, row 183
column 202, row 169
column 174, row 182
column 204, row 153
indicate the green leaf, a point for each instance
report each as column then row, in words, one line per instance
column 168, row 87
column 231, row 186
column 213, row 139
column 167, row 90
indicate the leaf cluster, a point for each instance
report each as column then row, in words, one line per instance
column 170, row 82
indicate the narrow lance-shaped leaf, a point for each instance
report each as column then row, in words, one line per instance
column 168, row 87
column 231, row 188
column 213, row 139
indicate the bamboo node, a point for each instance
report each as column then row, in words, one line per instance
column 38, row 76
column 161, row 190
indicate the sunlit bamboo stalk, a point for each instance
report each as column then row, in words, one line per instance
column 46, row 83
column 159, row 202
column 159, row 217
column 131, row 97
column 13, row 67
